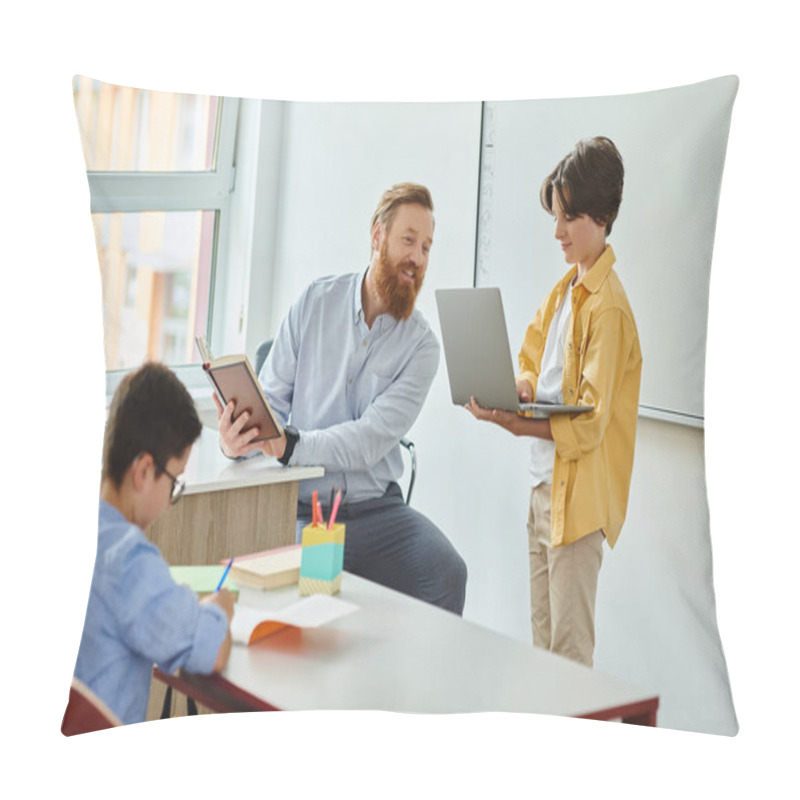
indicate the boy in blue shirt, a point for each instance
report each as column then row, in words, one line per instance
column 137, row 615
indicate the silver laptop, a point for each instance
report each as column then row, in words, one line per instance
column 477, row 353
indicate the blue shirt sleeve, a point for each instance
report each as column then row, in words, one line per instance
column 162, row 621
column 279, row 371
column 360, row 443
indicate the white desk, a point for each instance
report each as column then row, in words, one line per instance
column 400, row 654
column 229, row 507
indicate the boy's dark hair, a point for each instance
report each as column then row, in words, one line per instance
column 588, row 181
column 151, row 412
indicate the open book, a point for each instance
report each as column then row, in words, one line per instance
column 251, row 624
column 233, row 378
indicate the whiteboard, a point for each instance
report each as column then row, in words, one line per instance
column 673, row 146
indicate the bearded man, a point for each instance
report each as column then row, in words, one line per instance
column 349, row 370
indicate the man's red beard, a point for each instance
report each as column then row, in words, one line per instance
column 397, row 295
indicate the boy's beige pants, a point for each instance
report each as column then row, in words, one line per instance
column 563, row 584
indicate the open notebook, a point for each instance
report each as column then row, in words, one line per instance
column 250, row 624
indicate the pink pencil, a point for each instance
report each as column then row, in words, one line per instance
column 335, row 509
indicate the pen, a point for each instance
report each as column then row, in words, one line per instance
column 335, row 509
column 314, row 512
column 224, row 575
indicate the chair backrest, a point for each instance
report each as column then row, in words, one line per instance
column 86, row 712
column 412, row 454
column 262, row 351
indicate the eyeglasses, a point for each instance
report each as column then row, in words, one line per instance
column 178, row 485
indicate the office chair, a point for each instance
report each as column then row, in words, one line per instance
column 262, row 351
column 86, row 712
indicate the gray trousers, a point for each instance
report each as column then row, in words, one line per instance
column 390, row 543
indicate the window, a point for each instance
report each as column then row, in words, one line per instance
column 161, row 172
column 132, row 130
column 156, row 268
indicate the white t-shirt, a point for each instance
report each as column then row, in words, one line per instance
column 549, row 387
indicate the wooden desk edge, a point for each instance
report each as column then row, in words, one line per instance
column 214, row 692
column 641, row 712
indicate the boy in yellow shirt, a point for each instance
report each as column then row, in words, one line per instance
column 582, row 348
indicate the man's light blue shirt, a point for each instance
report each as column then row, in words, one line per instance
column 352, row 392
column 138, row 616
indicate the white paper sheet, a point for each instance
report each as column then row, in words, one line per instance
column 310, row 612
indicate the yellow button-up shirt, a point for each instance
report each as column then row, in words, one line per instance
column 602, row 368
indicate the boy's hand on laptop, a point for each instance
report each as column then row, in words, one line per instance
column 524, row 391
column 224, row 599
column 496, row 415
column 235, row 438
column 511, row 421
column 479, row 413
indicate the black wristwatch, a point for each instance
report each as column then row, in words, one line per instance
column 292, row 438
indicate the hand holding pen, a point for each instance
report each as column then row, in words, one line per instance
column 222, row 597
column 225, row 574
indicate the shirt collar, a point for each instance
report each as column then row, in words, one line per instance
column 383, row 321
column 593, row 279
column 358, row 309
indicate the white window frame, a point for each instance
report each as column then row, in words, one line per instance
column 212, row 190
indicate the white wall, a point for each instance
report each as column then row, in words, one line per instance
column 337, row 160
column 334, row 162
column 656, row 615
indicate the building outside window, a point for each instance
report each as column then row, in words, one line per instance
column 161, row 173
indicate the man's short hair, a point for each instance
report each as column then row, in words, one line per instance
column 588, row 181
column 392, row 198
column 151, row 412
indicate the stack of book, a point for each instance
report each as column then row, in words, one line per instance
column 269, row 569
